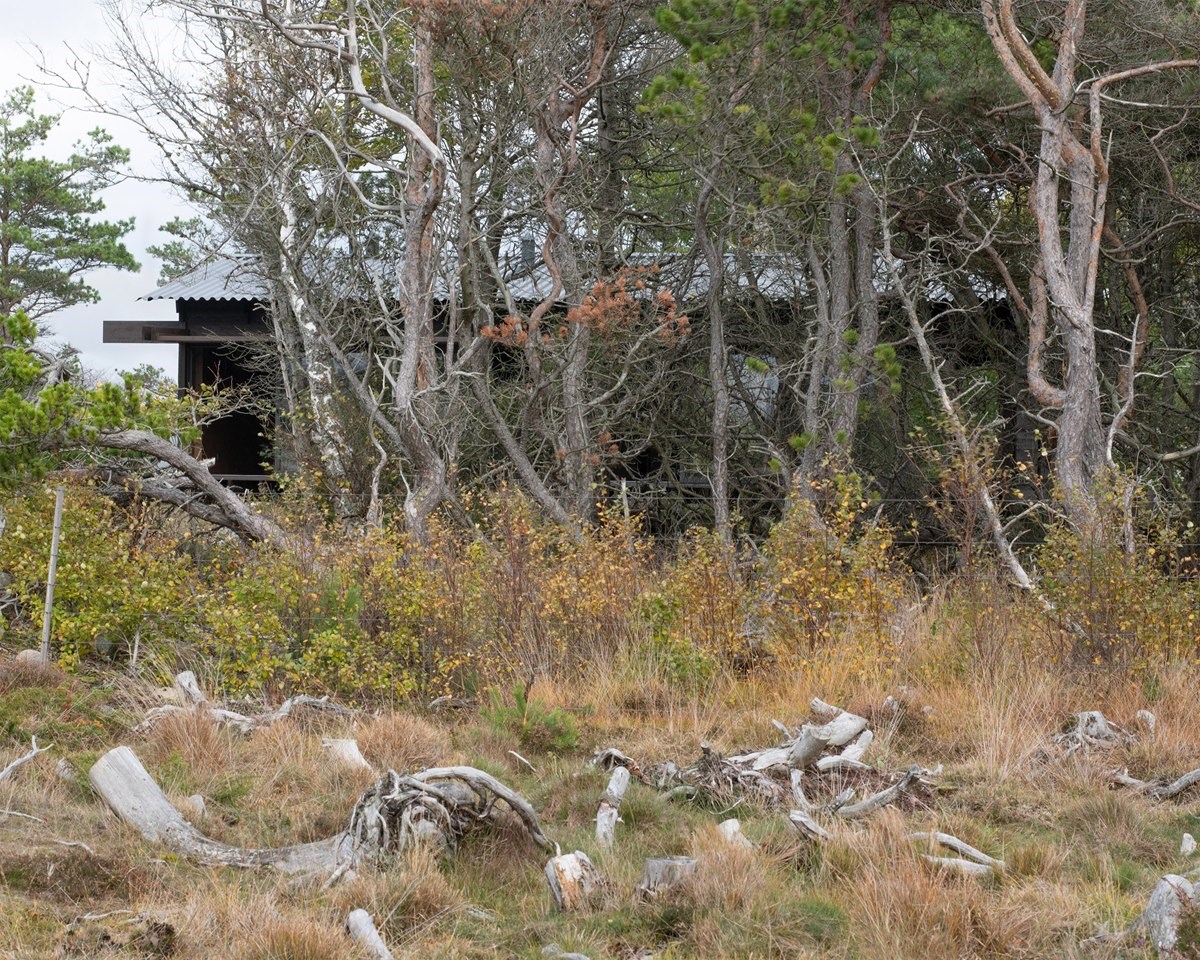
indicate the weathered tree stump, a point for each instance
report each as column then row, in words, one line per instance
column 609, row 812
column 662, row 874
column 573, row 880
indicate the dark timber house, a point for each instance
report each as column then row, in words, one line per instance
column 220, row 310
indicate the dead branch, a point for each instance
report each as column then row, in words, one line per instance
column 361, row 927
column 970, row 862
column 881, row 799
column 8, row 772
column 189, row 690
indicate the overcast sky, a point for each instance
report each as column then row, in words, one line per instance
column 52, row 26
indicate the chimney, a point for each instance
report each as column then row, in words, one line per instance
column 527, row 252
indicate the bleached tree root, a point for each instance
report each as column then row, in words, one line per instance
column 609, row 813
column 1091, row 730
column 773, row 776
column 441, row 804
column 662, row 874
column 1158, row 789
column 573, row 880
column 361, row 927
column 8, row 772
column 123, row 783
column 437, row 805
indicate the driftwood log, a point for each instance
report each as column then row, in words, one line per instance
column 437, row 805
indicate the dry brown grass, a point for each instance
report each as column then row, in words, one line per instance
column 408, row 901
column 206, row 747
column 403, row 742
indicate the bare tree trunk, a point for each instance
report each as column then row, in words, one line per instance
column 718, row 372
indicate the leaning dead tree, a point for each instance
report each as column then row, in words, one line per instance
column 439, row 805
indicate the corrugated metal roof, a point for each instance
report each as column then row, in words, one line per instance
column 222, row 278
column 775, row 277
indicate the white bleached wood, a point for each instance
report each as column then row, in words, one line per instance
column 961, row 847
column 8, row 772
column 881, row 799
column 123, row 783
column 1147, row 720
column 841, row 729
column 857, row 748
column 608, row 814
column 361, row 927
column 573, row 880
column 807, row 748
column 731, row 833
column 798, row 792
column 663, row 873
column 823, row 709
column 827, row 764
column 967, row 868
column 189, row 688
column 806, row 826
column 346, row 751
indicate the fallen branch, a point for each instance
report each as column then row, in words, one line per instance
column 12, row 768
column 361, row 927
column 881, row 799
column 189, row 690
column 970, row 862
column 1158, row 789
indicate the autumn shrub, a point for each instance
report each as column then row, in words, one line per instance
column 1121, row 602
column 695, row 618
column 121, row 583
column 827, row 577
column 337, row 613
column 516, row 596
